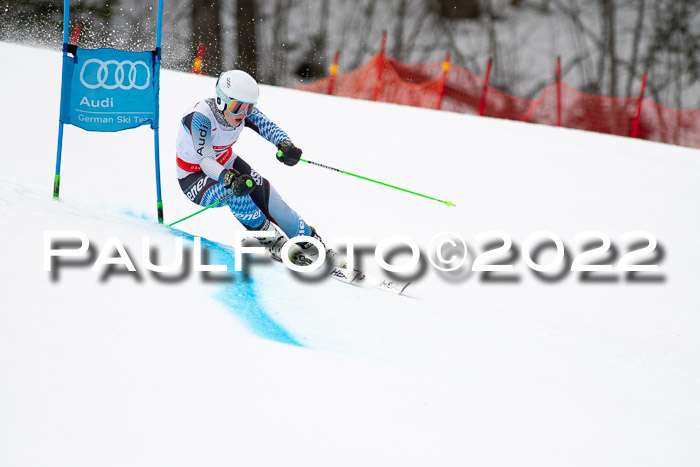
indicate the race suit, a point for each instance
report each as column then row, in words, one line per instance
column 204, row 153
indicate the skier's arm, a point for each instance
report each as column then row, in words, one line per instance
column 287, row 153
column 199, row 128
column 265, row 127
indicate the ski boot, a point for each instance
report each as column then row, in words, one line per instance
column 307, row 252
column 274, row 244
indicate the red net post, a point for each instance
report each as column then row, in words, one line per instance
column 558, row 76
column 76, row 34
column 637, row 117
column 487, row 77
column 380, row 68
column 333, row 72
column 198, row 60
column 443, row 79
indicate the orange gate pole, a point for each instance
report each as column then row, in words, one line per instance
column 443, row 79
column 76, row 34
column 334, row 71
column 198, row 60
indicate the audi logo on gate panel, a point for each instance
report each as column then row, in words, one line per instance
column 132, row 76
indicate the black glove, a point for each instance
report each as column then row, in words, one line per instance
column 241, row 184
column 288, row 153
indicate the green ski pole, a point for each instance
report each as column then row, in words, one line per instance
column 448, row 203
column 201, row 210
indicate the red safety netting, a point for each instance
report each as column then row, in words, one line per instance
column 458, row 90
column 675, row 126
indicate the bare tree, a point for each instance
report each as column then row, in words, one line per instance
column 280, row 41
column 205, row 29
column 42, row 21
column 367, row 12
column 399, row 39
column 247, row 56
column 636, row 42
column 314, row 61
column 608, row 55
column 673, row 55
column 460, row 9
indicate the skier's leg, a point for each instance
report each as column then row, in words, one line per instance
column 204, row 191
column 269, row 201
column 242, row 207
column 261, row 210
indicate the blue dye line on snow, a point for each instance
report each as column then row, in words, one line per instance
column 239, row 295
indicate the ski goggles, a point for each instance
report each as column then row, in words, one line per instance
column 234, row 106
column 239, row 107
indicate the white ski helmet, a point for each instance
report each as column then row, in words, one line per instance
column 236, row 87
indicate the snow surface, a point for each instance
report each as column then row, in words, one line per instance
column 113, row 368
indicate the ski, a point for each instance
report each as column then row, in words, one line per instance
column 361, row 279
column 341, row 273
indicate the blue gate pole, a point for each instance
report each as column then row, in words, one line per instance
column 59, row 148
column 159, row 200
column 156, row 137
column 57, row 176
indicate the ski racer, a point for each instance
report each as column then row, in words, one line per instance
column 209, row 170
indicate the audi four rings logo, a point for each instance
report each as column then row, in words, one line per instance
column 134, row 79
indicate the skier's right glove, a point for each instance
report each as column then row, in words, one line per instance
column 241, row 184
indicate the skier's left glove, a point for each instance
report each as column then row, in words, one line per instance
column 241, row 184
column 287, row 153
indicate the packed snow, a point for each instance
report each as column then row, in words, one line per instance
column 268, row 367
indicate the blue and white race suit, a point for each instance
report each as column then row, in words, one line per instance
column 204, row 153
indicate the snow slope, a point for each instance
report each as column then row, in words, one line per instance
column 114, row 368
